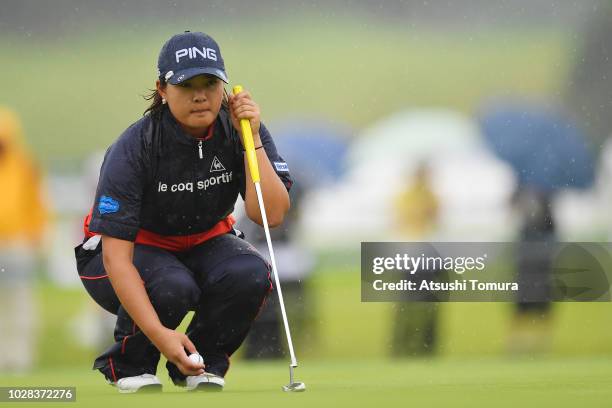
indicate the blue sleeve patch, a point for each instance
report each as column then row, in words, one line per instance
column 281, row 166
column 108, row 205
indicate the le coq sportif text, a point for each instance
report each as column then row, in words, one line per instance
column 199, row 185
column 414, row 264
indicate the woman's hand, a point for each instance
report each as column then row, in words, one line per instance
column 172, row 345
column 243, row 107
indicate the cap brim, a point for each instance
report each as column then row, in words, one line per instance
column 187, row 74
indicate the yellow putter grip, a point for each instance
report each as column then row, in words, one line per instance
column 247, row 140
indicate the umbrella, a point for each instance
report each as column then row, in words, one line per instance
column 314, row 150
column 415, row 134
column 546, row 150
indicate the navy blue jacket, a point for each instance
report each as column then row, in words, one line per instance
column 158, row 178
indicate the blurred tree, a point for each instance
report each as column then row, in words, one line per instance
column 590, row 90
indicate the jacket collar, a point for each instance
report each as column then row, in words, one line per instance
column 174, row 130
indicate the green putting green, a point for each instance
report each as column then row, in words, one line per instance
column 559, row 382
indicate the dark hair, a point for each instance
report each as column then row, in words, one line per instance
column 156, row 107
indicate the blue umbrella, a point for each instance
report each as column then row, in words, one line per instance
column 314, row 150
column 546, row 150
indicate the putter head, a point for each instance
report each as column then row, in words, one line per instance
column 295, row 386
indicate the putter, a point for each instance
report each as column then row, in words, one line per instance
column 249, row 147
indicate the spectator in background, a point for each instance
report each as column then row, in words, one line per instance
column 417, row 206
column 415, row 321
column 531, row 323
column 22, row 219
column 548, row 153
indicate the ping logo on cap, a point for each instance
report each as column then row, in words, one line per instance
column 193, row 52
column 189, row 54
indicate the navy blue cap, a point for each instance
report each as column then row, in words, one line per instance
column 189, row 54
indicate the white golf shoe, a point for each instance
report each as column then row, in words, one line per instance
column 204, row 382
column 139, row 383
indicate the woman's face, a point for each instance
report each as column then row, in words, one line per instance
column 195, row 103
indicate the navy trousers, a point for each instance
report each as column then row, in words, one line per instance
column 224, row 280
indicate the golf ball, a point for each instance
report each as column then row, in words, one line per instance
column 196, row 358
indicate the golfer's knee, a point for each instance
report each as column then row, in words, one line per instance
column 175, row 291
column 250, row 275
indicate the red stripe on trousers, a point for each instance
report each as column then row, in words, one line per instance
column 110, row 360
column 93, row 277
column 126, row 337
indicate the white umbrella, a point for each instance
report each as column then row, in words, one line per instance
column 415, row 134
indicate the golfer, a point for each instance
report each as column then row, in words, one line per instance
column 159, row 240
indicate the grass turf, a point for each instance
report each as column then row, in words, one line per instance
column 559, row 382
column 341, row 326
column 343, row 365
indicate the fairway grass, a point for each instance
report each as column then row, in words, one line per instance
column 559, row 382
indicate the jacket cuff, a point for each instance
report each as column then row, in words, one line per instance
column 113, row 229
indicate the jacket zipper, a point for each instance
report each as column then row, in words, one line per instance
column 195, row 196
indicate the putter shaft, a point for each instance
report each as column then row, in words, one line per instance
column 251, row 155
column 276, row 280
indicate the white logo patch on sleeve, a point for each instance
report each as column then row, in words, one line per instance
column 281, row 166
